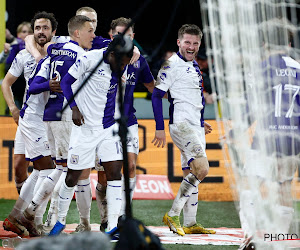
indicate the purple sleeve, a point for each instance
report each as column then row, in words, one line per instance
column 38, row 85
column 65, row 85
column 157, row 96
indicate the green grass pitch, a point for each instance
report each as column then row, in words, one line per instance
column 150, row 212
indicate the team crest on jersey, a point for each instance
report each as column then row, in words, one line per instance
column 137, row 65
column 46, row 145
column 74, row 159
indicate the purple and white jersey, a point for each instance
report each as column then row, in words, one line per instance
column 23, row 62
column 62, row 57
column 98, row 43
column 96, row 100
column 280, row 105
column 137, row 73
column 183, row 81
column 35, row 103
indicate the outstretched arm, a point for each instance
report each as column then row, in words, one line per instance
column 160, row 135
column 40, row 84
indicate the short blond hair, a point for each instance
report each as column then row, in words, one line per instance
column 87, row 9
column 21, row 25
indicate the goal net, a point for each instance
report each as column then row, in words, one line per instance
column 253, row 51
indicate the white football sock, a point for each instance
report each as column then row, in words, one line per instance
column 83, row 196
column 101, row 201
column 53, row 208
column 187, row 186
column 132, row 182
column 190, row 209
column 26, row 193
column 44, row 191
column 65, row 197
column 38, row 219
column 29, row 185
column 114, row 202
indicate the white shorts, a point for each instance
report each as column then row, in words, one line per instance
column 190, row 140
column 19, row 146
column 132, row 144
column 133, row 139
column 34, row 134
column 85, row 144
column 59, row 133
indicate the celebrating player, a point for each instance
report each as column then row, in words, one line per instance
column 180, row 76
column 35, row 140
column 93, row 130
column 136, row 73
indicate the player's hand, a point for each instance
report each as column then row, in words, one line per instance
column 136, row 55
column 15, row 112
column 77, row 117
column 6, row 48
column 160, row 138
column 55, row 85
column 207, row 128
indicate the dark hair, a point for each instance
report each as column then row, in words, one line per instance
column 190, row 29
column 121, row 21
column 76, row 23
column 46, row 15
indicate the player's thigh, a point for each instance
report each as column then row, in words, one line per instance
column 133, row 139
column 35, row 137
column 82, row 148
column 19, row 145
column 51, row 139
column 189, row 139
column 61, row 131
column 110, row 148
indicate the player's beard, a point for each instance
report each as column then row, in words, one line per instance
column 42, row 42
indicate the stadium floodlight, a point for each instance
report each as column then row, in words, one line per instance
column 253, row 51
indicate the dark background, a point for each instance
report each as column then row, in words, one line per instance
column 149, row 29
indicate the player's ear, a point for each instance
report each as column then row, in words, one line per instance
column 178, row 42
column 76, row 33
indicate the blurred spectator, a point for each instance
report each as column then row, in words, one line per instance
column 11, row 49
column 203, row 64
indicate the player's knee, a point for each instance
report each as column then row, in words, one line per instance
column 200, row 167
column 132, row 168
column 102, row 178
column 114, row 175
column 202, row 173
